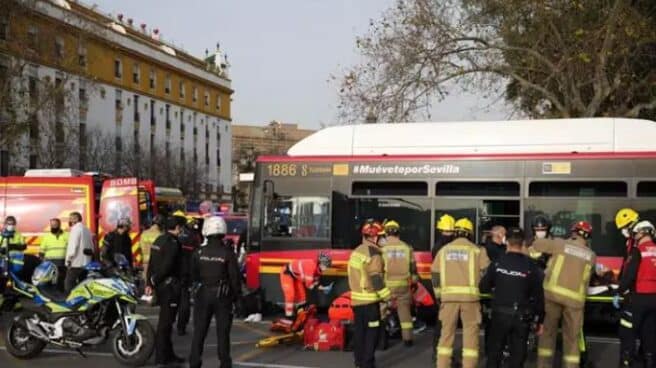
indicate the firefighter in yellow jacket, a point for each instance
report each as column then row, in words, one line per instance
column 456, row 272
column 400, row 275
column 565, row 288
column 368, row 290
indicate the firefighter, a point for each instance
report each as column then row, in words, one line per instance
column 516, row 283
column 456, row 273
column 444, row 234
column 400, row 275
column 541, row 227
column 638, row 286
column 53, row 249
column 368, row 290
column 117, row 241
column 190, row 242
column 298, row 275
column 565, row 286
column 216, row 271
column 148, row 238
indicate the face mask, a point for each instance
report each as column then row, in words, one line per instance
column 626, row 233
column 503, row 240
column 10, row 227
column 541, row 234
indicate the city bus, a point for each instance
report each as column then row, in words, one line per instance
column 317, row 196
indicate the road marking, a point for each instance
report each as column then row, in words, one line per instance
column 264, row 365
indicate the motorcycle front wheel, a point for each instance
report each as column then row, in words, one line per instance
column 134, row 351
column 20, row 344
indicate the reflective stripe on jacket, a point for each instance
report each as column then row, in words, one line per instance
column 457, row 270
column 53, row 246
column 398, row 259
column 365, row 275
column 568, row 271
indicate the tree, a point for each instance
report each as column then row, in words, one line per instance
column 548, row 58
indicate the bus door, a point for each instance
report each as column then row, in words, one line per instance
column 485, row 203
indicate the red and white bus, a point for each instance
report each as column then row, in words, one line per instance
column 316, row 198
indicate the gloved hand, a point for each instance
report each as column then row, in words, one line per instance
column 616, row 301
column 327, row 288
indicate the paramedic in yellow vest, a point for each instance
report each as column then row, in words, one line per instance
column 400, row 275
column 53, row 249
column 368, row 290
column 11, row 235
column 456, row 273
column 565, row 288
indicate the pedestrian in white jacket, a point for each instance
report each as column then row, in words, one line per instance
column 79, row 239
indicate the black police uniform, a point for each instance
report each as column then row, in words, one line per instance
column 494, row 250
column 215, row 267
column 116, row 243
column 518, row 298
column 189, row 242
column 164, row 277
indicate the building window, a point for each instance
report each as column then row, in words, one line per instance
column 136, row 73
column 4, row 27
column 218, row 157
column 167, row 85
column 182, row 89
column 34, row 129
column 33, row 161
column 82, row 56
column 118, row 143
column 168, row 116
column 194, row 96
column 82, row 95
column 207, row 99
column 33, row 90
column 137, row 116
column 83, row 135
column 118, row 68
column 32, row 38
column 59, row 132
column 152, row 79
column 4, row 163
column 218, row 102
column 59, row 49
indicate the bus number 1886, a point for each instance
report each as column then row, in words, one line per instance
column 287, row 170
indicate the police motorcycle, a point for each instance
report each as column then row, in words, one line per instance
column 100, row 308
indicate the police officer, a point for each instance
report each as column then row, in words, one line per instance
column 565, row 288
column 516, row 283
column 164, row 278
column 190, row 242
column 215, row 267
column 456, row 272
column 116, row 242
column 400, row 275
column 368, row 290
column 53, row 249
column 638, row 286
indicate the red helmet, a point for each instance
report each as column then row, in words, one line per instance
column 582, row 228
column 372, row 229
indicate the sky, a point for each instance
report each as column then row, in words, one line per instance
column 282, row 53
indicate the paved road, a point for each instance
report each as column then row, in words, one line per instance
column 603, row 351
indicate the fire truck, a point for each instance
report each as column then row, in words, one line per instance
column 42, row 195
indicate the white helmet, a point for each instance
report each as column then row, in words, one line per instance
column 214, row 225
column 644, row 227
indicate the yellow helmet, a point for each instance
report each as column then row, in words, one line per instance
column 446, row 223
column 391, row 224
column 464, row 224
column 179, row 213
column 392, row 227
column 626, row 217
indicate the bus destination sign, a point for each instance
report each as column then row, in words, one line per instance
column 298, row 170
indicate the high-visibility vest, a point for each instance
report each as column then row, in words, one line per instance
column 646, row 279
column 147, row 240
column 397, row 257
column 568, row 271
column 53, row 246
column 459, row 265
column 365, row 269
column 16, row 257
column 304, row 270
